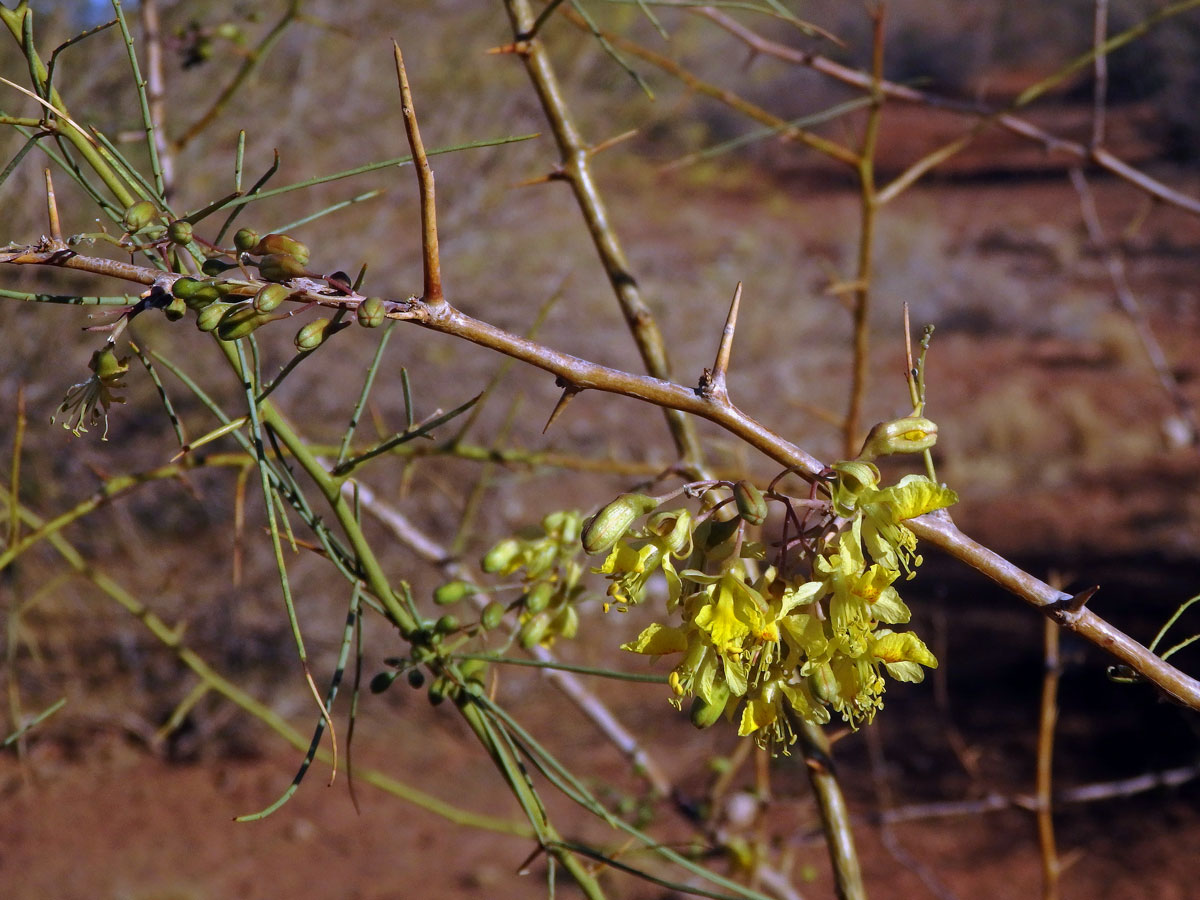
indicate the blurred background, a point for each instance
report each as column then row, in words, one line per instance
column 1068, row 454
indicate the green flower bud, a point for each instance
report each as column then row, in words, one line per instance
column 245, row 239
column 239, row 322
column 227, row 289
column 608, row 526
column 139, row 215
column 453, row 592
column 282, row 245
column 534, row 630
column 382, row 682
column 473, row 670
column 210, row 317
column 312, row 335
column 912, row 434
column 270, row 296
column 185, row 287
column 703, row 713
column 499, row 557
column 180, row 232
column 214, row 267
column 281, row 267
column 541, row 560
column 196, row 294
column 824, row 683
column 564, row 525
column 440, row 690
column 371, row 312
column 751, row 504
column 539, row 598
column 566, row 623
column 175, row 310
column 492, row 615
column 107, row 367
column 447, row 624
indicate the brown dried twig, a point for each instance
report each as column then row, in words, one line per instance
column 1045, row 763
column 989, row 116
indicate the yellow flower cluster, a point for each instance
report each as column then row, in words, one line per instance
column 778, row 645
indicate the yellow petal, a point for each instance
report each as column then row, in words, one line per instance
column 657, row 640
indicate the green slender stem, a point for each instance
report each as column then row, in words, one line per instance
column 20, row 24
column 331, row 488
column 372, row 370
column 503, row 755
column 254, row 197
column 34, row 722
column 239, row 157
column 111, row 489
column 319, row 730
column 565, row 667
column 143, row 101
column 839, row 835
column 420, row 431
column 168, row 407
column 1162, row 632
column 254, row 58
column 321, row 213
column 171, row 638
column 66, row 299
column 265, row 480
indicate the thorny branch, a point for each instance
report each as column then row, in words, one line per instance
column 936, row 528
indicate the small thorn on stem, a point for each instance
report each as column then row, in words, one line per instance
column 52, row 213
column 1068, row 607
column 1077, row 602
column 429, row 236
column 555, row 174
column 518, row 47
column 568, row 394
column 611, row 142
column 712, row 383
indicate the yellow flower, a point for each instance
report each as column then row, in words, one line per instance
column 629, row 567
column 889, row 542
column 88, row 401
column 730, row 611
column 765, row 714
column 902, row 654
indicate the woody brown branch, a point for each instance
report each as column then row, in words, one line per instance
column 936, row 528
